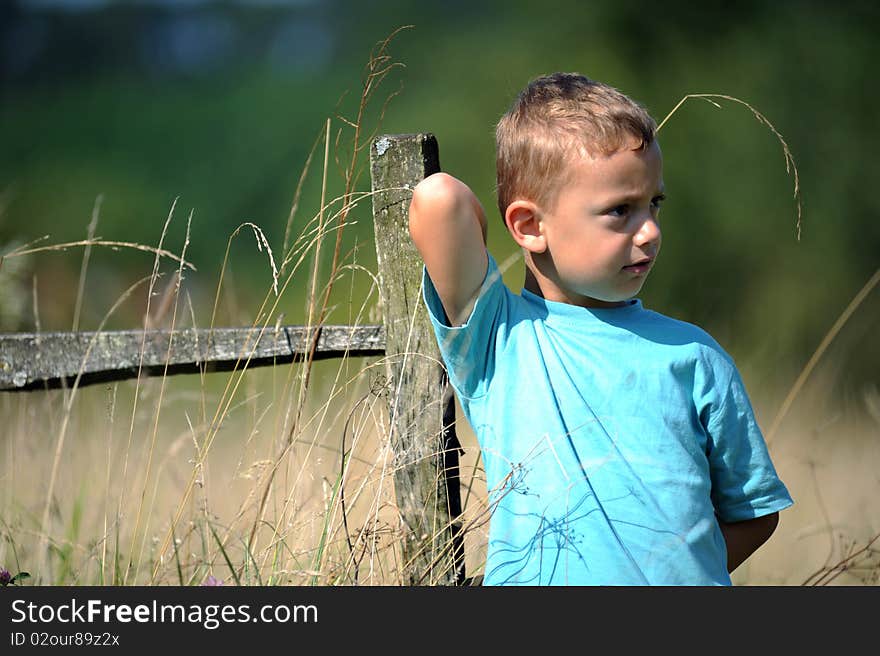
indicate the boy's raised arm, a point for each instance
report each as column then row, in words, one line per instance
column 448, row 227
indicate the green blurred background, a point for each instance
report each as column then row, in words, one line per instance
column 217, row 104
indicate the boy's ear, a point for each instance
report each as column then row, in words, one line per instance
column 523, row 219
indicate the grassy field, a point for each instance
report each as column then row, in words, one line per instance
column 126, row 475
column 153, row 495
column 284, row 475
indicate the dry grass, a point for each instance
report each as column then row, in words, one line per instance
column 314, row 531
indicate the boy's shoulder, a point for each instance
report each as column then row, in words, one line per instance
column 667, row 329
column 680, row 328
column 668, row 332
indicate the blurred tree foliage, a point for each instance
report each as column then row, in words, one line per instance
column 218, row 104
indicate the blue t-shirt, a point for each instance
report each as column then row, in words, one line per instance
column 610, row 438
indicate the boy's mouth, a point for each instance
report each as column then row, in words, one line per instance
column 641, row 266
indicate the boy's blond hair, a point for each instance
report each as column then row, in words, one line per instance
column 554, row 118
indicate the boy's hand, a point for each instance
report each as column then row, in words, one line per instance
column 448, row 227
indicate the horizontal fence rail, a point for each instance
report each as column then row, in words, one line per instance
column 30, row 361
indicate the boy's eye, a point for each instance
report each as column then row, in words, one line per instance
column 624, row 209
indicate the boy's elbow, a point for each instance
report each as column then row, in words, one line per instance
column 438, row 192
column 436, row 198
column 437, row 183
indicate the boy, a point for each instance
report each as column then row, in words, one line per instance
column 619, row 445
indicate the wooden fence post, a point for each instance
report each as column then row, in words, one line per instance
column 422, row 409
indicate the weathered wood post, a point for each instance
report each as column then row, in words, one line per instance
column 422, row 410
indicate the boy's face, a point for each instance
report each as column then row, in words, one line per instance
column 603, row 236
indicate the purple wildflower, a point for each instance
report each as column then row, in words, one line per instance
column 5, row 576
column 212, row 581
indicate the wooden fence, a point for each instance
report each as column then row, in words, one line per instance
column 421, row 406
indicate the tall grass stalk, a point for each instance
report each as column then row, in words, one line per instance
column 111, row 422
column 65, row 422
column 799, row 382
column 155, row 432
column 90, row 235
column 153, row 278
column 790, row 166
column 115, row 245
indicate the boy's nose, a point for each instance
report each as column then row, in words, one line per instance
column 648, row 232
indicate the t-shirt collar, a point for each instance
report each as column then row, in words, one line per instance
column 569, row 312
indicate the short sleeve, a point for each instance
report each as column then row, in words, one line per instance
column 745, row 484
column 468, row 350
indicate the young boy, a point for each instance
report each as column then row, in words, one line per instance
column 619, row 445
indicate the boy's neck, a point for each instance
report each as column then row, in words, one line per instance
column 548, row 290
